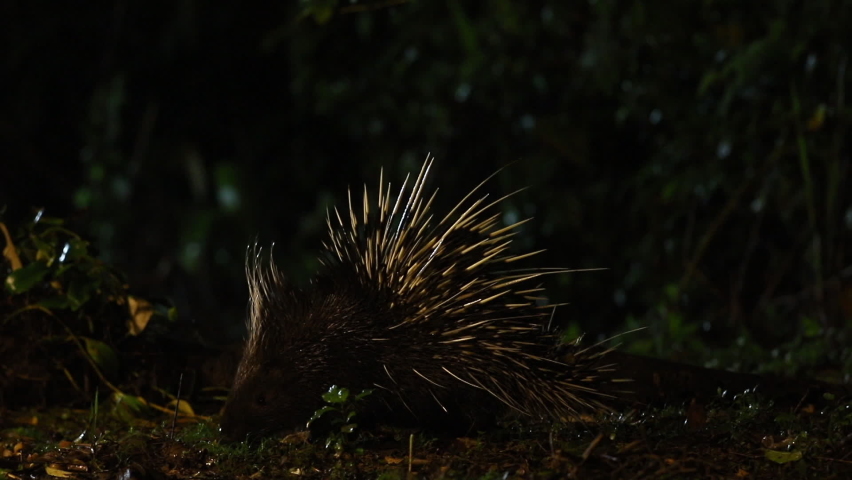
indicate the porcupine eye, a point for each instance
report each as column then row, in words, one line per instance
column 260, row 400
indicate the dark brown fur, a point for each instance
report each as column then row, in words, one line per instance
column 322, row 336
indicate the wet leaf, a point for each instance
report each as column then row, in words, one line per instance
column 320, row 412
column 336, row 394
column 363, row 394
column 76, row 249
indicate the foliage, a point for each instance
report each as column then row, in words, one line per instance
column 58, row 294
column 338, row 415
column 69, row 326
column 695, row 148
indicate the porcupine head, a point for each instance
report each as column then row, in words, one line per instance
column 426, row 312
column 301, row 341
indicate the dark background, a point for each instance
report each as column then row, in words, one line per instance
column 697, row 150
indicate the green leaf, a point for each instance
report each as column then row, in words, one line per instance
column 320, row 10
column 58, row 302
column 364, row 393
column 783, row 457
column 26, row 277
column 708, row 80
column 128, row 407
column 672, row 292
column 77, row 248
column 811, row 327
column 670, row 190
column 319, row 413
column 103, row 355
column 45, row 250
column 45, row 220
column 336, row 394
column 79, row 292
column 64, row 268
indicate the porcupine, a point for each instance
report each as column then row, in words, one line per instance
column 422, row 312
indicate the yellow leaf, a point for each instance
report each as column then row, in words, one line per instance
column 56, row 472
column 10, row 252
column 184, row 407
column 141, row 312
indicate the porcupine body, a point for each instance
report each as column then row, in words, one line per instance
column 426, row 311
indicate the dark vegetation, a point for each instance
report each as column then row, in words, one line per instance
column 697, row 150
